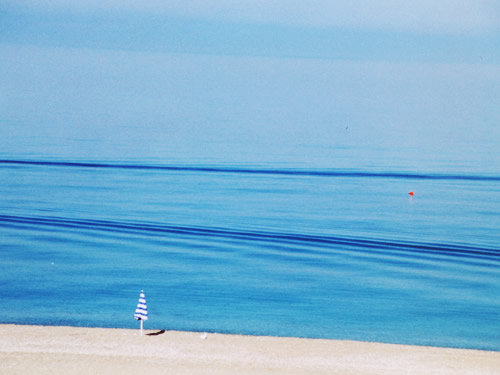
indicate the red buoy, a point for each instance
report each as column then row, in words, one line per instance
column 411, row 193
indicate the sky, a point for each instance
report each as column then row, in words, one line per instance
column 250, row 81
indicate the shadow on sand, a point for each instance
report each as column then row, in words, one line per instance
column 156, row 333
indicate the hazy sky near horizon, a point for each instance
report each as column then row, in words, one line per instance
column 226, row 75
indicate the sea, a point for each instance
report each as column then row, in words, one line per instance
column 317, row 241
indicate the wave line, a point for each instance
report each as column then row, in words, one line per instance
column 257, row 171
column 364, row 243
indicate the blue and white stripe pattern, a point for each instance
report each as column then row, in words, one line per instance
column 141, row 312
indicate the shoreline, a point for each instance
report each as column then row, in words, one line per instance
column 77, row 350
column 154, row 332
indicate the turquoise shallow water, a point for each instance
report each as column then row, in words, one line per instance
column 265, row 250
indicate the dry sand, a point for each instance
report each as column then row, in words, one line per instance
column 69, row 350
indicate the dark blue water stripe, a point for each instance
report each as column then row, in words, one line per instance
column 309, row 240
column 262, row 171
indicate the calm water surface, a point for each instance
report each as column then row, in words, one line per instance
column 310, row 250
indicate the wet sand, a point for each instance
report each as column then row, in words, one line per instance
column 70, row 350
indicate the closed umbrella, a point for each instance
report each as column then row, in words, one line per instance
column 141, row 312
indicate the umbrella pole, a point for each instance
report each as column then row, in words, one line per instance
column 141, row 326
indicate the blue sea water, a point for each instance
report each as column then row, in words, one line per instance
column 324, row 249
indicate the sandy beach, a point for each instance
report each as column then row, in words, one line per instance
column 70, row 350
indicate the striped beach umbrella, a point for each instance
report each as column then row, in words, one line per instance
column 141, row 312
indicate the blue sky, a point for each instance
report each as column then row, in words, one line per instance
column 238, row 76
column 443, row 31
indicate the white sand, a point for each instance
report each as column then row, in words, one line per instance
column 68, row 350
